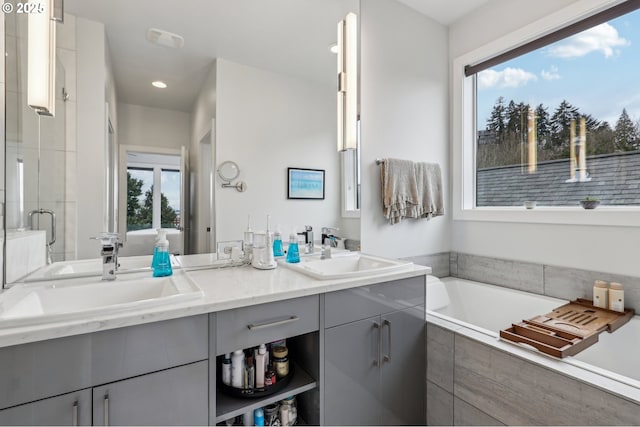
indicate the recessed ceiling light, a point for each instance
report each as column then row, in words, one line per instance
column 333, row 48
column 159, row 84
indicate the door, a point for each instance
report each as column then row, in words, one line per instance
column 402, row 373
column 72, row 409
column 351, row 390
column 177, row 396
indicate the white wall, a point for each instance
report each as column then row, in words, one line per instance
column 404, row 114
column 266, row 122
column 599, row 248
column 153, row 127
column 91, row 83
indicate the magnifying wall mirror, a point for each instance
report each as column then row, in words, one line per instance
column 228, row 171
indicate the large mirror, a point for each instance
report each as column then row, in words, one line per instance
column 248, row 81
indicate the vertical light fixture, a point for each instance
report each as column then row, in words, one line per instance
column 41, row 54
column 348, row 83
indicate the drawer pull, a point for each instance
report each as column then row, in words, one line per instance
column 376, row 325
column 387, row 358
column 106, row 409
column 255, row 326
column 74, row 414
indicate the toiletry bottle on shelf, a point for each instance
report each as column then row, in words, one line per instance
column 162, row 260
column 237, row 369
column 616, row 297
column 251, row 373
column 226, row 369
column 600, row 294
column 277, row 244
column 260, row 365
column 293, row 253
column 258, row 417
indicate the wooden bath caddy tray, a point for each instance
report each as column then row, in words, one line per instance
column 567, row 330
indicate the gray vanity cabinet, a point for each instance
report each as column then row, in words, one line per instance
column 177, row 396
column 72, row 409
column 375, row 354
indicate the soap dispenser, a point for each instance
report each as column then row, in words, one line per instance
column 293, row 252
column 161, row 262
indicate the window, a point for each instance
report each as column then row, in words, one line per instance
column 556, row 120
column 153, row 191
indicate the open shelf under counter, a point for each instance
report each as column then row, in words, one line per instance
column 230, row 407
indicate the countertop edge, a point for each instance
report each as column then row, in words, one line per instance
column 204, row 305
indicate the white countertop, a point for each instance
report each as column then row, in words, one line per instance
column 223, row 289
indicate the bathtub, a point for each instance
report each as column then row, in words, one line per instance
column 487, row 309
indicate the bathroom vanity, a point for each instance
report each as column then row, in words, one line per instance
column 357, row 346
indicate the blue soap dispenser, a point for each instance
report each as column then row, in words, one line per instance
column 293, row 252
column 161, row 262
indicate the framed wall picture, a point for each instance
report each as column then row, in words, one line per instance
column 305, row 183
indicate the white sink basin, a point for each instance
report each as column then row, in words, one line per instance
column 92, row 267
column 349, row 264
column 44, row 302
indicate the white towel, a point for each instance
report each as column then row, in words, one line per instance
column 399, row 190
column 429, row 181
column 411, row 190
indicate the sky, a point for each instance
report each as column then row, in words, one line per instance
column 596, row 70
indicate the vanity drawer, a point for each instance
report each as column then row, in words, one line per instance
column 127, row 352
column 251, row 326
column 362, row 302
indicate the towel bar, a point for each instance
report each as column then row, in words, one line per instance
column 379, row 161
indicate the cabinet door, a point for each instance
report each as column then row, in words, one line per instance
column 72, row 409
column 403, row 370
column 351, row 391
column 177, row 396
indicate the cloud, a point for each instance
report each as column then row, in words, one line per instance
column 552, row 74
column 509, row 77
column 602, row 38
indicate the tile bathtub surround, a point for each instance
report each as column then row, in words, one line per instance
column 554, row 281
column 519, row 275
column 439, row 263
column 571, row 283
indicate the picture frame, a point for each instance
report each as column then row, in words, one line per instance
column 305, row 184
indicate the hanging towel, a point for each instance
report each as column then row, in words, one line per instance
column 400, row 197
column 429, row 182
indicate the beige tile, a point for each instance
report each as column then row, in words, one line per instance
column 439, row 406
column 517, row 392
column 440, row 345
column 468, row 415
column 513, row 274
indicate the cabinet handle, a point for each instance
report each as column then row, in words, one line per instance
column 387, row 358
column 74, row 414
column 106, row 409
column 376, row 325
column 255, row 326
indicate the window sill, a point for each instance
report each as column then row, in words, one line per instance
column 613, row 216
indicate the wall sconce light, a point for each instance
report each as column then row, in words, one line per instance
column 348, row 83
column 41, row 55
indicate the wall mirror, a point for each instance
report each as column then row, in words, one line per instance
column 254, row 81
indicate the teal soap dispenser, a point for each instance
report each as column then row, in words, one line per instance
column 161, row 263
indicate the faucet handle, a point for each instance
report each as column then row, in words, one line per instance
column 106, row 238
column 308, row 228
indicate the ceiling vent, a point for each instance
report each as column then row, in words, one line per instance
column 164, row 38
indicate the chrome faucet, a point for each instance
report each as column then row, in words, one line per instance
column 308, row 238
column 328, row 241
column 109, row 252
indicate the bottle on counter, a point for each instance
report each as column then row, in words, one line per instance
column 226, row 369
column 600, row 294
column 247, row 241
column 277, row 244
column 293, row 253
column 616, row 297
column 237, row 369
column 161, row 262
